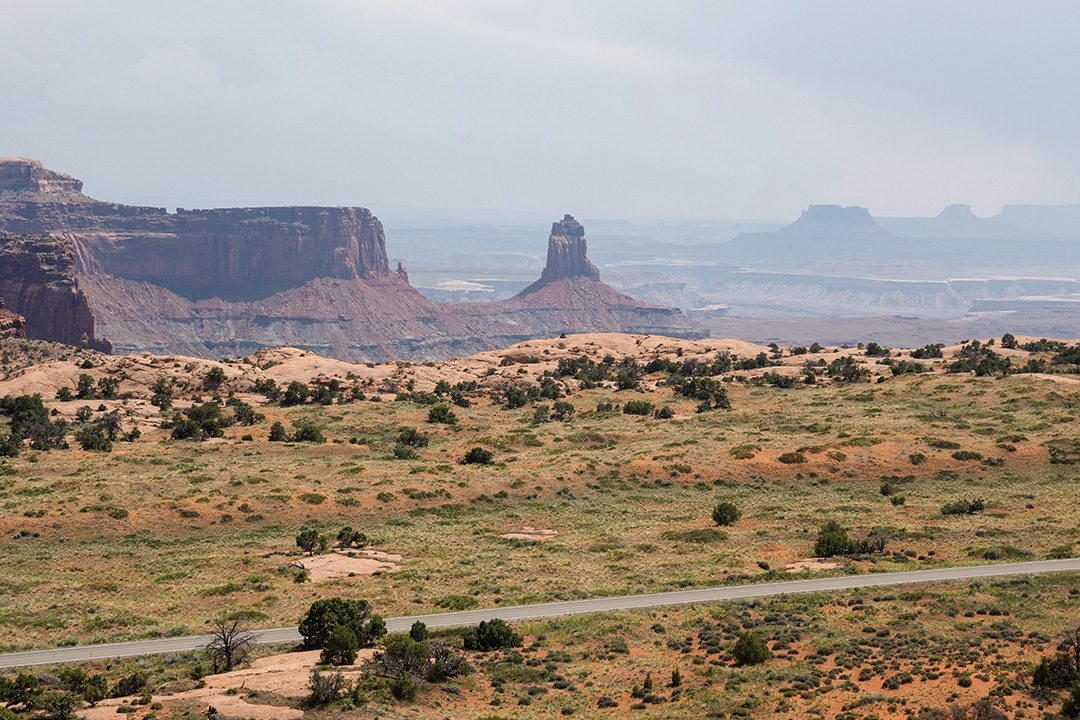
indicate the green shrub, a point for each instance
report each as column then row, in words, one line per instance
column 277, row 433
column 442, row 413
column 942, row 444
column 341, row 647
column 696, row 535
column 491, row 635
column 638, row 407
column 725, row 513
column 792, row 458
column 832, row 540
column 307, row 431
column 404, row 452
column 963, row 507
column 457, row 602
column 478, row 456
column 750, row 650
column 743, row 452
column 325, row 616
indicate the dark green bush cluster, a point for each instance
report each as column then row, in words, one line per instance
column 638, row 407
column 304, row 431
column 692, row 367
column 963, row 507
column 710, row 393
column 750, row 649
column 60, row 693
column 29, row 421
column 833, row 540
column 478, row 456
column 198, row 422
column 725, row 513
column 491, row 635
column 298, row 393
column 326, row 616
column 847, row 369
column 929, row 351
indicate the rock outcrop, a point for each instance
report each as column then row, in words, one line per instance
column 27, row 176
column 230, row 281
column 570, row 297
column 566, row 255
column 11, row 324
column 38, row 281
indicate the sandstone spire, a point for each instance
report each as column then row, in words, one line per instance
column 566, row 252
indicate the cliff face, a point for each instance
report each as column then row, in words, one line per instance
column 228, row 282
column 38, row 281
column 11, row 324
column 216, row 249
column 20, row 175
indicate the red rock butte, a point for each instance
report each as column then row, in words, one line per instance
column 226, row 282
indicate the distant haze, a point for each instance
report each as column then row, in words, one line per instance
column 528, row 110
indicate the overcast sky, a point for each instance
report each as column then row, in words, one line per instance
column 746, row 110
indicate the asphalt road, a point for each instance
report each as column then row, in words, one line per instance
column 547, row 610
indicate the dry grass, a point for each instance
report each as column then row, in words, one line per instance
column 159, row 536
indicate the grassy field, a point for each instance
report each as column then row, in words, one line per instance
column 159, row 536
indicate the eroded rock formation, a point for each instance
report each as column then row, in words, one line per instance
column 38, row 281
column 566, row 255
column 19, row 175
column 11, row 324
column 228, row 282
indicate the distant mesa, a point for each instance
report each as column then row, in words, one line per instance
column 956, row 213
column 27, row 176
column 835, row 221
column 227, row 282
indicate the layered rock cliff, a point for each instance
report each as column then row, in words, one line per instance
column 11, row 324
column 566, row 254
column 38, row 281
column 227, row 282
column 27, row 176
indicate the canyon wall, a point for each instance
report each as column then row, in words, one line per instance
column 11, row 324
column 227, row 282
column 38, row 281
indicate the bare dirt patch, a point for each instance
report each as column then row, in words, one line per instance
column 528, row 532
column 285, row 676
column 334, row 565
column 812, row 564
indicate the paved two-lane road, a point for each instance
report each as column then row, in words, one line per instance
column 574, row 607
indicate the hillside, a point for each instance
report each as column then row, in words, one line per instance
column 608, row 454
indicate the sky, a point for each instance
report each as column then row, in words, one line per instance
column 507, row 109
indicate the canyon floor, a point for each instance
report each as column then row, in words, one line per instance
column 159, row 535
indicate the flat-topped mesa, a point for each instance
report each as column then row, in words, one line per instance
column 566, row 252
column 835, row 221
column 28, row 177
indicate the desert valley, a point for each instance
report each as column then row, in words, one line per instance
column 472, row 360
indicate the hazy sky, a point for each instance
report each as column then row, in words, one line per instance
column 500, row 108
